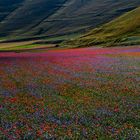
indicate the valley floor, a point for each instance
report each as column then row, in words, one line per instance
column 87, row 93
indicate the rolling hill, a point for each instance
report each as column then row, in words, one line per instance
column 124, row 30
column 33, row 18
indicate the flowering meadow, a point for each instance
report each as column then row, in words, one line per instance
column 87, row 93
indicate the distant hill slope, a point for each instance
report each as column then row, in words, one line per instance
column 7, row 7
column 124, row 30
column 27, row 18
column 27, row 15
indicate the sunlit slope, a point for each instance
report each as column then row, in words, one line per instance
column 31, row 18
column 82, row 15
column 124, row 30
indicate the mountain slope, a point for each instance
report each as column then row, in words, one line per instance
column 27, row 18
column 79, row 15
column 7, row 7
column 124, row 30
column 28, row 15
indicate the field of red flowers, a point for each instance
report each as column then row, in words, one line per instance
column 88, row 93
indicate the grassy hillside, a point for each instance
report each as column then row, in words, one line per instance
column 33, row 18
column 124, row 30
